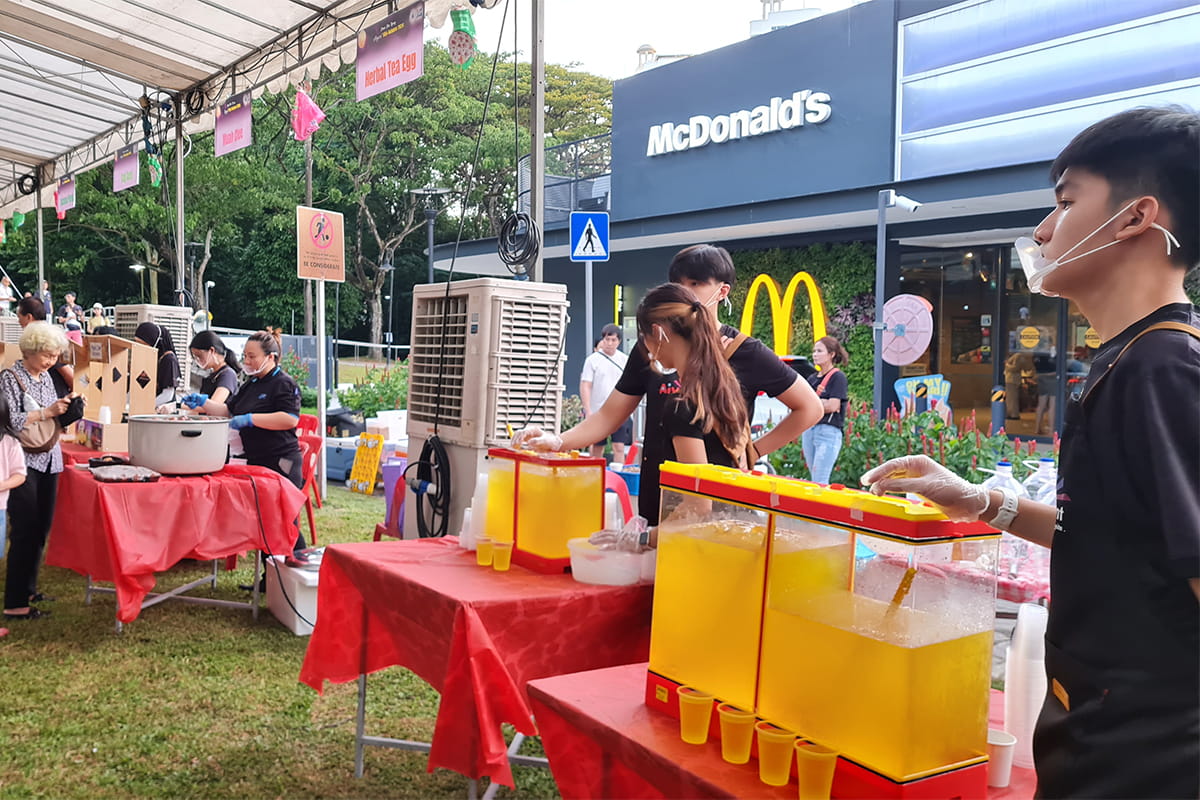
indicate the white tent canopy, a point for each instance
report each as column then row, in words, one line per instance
column 72, row 71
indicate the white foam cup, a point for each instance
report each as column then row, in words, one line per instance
column 1000, row 747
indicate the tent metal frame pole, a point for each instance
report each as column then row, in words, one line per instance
column 537, row 127
column 41, row 249
column 180, row 241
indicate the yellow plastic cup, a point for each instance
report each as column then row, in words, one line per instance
column 815, row 766
column 695, row 714
column 501, row 556
column 774, row 754
column 483, row 551
column 737, row 733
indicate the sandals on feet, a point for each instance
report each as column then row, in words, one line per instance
column 32, row 613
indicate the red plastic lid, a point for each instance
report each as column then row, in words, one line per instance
column 546, row 459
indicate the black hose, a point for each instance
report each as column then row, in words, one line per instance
column 433, row 468
column 518, row 243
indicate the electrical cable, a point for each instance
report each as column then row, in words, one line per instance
column 431, row 486
column 519, row 240
column 433, row 473
column 550, row 373
column 266, row 548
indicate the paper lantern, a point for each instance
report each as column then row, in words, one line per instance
column 461, row 43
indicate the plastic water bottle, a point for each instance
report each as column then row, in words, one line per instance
column 1002, row 476
column 1043, row 482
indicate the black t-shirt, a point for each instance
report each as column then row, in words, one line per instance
column 222, row 378
column 757, row 368
column 837, row 387
column 1128, row 534
column 677, row 421
column 276, row 391
column 1123, row 635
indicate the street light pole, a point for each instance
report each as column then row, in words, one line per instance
column 887, row 199
column 430, row 194
column 140, row 269
column 430, row 215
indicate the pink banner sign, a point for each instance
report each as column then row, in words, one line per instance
column 127, row 168
column 233, row 125
column 66, row 193
column 391, row 52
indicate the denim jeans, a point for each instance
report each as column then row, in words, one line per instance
column 821, row 444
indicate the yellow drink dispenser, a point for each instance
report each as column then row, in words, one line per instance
column 861, row 623
column 540, row 500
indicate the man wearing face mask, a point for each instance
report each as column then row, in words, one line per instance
column 1121, row 717
column 708, row 272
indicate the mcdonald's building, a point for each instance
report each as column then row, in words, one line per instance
column 786, row 139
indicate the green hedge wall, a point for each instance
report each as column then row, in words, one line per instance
column 845, row 274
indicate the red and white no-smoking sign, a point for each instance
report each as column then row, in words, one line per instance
column 320, row 245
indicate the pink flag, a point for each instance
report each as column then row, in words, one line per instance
column 306, row 116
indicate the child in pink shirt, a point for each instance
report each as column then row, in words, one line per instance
column 12, row 468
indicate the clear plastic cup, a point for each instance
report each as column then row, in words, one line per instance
column 501, row 556
column 737, row 733
column 695, row 715
column 815, row 766
column 483, row 551
column 774, row 754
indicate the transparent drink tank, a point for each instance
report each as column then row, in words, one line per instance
column 862, row 623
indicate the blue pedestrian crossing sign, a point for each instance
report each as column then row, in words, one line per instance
column 589, row 236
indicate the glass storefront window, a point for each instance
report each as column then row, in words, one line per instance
column 961, row 286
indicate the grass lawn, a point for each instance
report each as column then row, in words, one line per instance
column 196, row 701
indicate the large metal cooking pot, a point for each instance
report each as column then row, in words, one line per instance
column 178, row 444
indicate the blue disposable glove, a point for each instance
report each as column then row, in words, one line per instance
column 241, row 421
column 194, row 400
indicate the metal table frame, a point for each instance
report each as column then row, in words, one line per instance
column 154, row 598
column 362, row 741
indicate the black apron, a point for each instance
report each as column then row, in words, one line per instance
column 1121, row 717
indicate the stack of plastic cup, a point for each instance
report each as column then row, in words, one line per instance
column 695, row 715
column 737, row 733
column 1025, row 680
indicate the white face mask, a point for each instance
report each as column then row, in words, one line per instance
column 267, row 365
column 1036, row 266
column 655, row 364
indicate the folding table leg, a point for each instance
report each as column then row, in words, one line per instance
column 359, row 725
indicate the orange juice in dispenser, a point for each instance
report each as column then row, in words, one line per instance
column 540, row 500
column 862, row 623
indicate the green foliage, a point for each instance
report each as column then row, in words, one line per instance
column 845, row 274
column 868, row 442
column 382, row 389
column 571, row 411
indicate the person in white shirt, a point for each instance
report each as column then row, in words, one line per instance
column 600, row 373
column 7, row 295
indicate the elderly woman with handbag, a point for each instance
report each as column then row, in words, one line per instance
column 35, row 410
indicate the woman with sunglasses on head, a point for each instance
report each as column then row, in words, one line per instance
column 265, row 411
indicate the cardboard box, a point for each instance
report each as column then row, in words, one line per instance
column 300, row 588
column 111, row 437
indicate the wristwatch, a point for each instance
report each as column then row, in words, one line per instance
column 1007, row 511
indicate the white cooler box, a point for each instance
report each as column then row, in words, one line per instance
column 301, row 588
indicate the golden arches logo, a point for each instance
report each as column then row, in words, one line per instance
column 781, row 308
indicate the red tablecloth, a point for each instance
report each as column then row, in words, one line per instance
column 74, row 453
column 603, row 742
column 476, row 635
column 126, row 532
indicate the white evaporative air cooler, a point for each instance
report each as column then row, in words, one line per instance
column 497, row 364
column 176, row 319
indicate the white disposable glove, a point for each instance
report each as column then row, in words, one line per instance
column 534, row 438
column 956, row 498
column 628, row 539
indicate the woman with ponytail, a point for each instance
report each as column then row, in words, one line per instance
column 705, row 423
column 217, row 365
column 265, row 411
